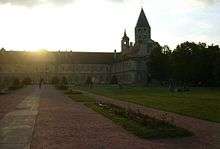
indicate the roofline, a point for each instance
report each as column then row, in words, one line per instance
column 61, row 52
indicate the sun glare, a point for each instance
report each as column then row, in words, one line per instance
column 72, row 27
column 98, row 25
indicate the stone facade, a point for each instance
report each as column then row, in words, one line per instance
column 128, row 66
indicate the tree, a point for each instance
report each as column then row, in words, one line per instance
column 181, row 62
column 159, row 63
column 216, row 65
column 194, row 63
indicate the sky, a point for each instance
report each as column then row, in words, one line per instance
column 98, row 25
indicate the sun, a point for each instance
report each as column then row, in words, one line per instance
column 38, row 50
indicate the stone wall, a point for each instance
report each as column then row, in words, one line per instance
column 74, row 72
column 131, row 71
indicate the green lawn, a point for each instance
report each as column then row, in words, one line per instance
column 203, row 103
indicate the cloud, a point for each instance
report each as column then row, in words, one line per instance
column 30, row 3
column 207, row 2
column 63, row 2
column 117, row 0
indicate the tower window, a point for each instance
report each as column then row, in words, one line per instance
column 140, row 41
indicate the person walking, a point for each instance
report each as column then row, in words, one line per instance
column 41, row 82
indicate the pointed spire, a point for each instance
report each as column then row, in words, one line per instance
column 142, row 20
column 125, row 34
column 125, row 37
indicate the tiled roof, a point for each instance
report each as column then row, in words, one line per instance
column 142, row 20
column 10, row 57
column 85, row 57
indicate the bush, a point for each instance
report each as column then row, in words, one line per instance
column 64, row 81
column 62, row 87
column 140, row 124
column 114, row 80
column 75, row 92
column 16, row 84
column 27, row 81
column 55, row 80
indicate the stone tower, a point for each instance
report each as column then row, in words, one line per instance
column 142, row 33
column 124, row 43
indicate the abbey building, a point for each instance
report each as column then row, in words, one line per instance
column 128, row 66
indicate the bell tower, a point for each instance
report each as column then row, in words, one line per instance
column 124, row 43
column 142, row 30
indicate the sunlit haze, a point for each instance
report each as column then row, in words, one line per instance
column 98, row 25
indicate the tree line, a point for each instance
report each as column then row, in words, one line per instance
column 190, row 63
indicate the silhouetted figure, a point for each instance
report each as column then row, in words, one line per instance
column 120, row 85
column 90, row 81
column 171, row 85
column 41, row 82
column 149, row 79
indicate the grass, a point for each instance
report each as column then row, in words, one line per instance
column 203, row 103
column 145, row 128
column 148, row 128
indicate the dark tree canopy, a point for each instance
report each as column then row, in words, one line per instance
column 191, row 63
column 159, row 64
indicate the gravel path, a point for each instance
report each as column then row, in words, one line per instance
column 64, row 124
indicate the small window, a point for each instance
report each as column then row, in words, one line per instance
column 140, row 41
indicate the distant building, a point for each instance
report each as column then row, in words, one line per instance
column 128, row 66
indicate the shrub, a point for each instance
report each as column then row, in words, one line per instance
column 64, row 80
column 16, row 84
column 75, row 92
column 55, row 80
column 61, row 86
column 27, row 81
column 114, row 80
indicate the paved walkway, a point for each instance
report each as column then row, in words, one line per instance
column 9, row 101
column 16, row 127
column 47, row 119
column 64, row 124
